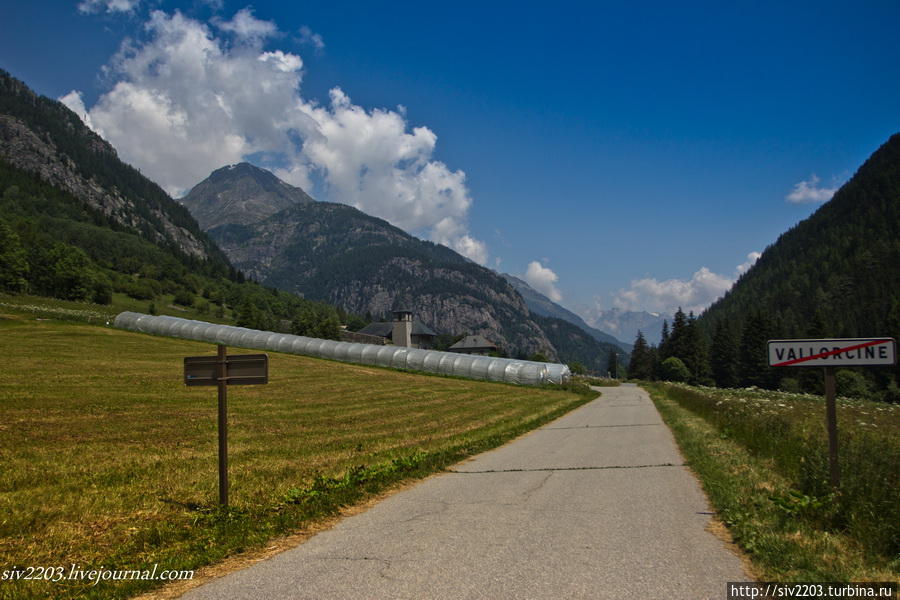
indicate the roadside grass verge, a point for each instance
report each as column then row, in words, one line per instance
column 762, row 458
column 100, row 314
column 597, row 381
column 109, row 461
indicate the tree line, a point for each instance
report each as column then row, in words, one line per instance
column 836, row 274
column 53, row 245
column 736, row 356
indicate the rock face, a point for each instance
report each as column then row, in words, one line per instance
column 240, row 194
column 338, row 254
column 44, row 137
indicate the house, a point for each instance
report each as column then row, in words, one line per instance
column 402, row 331
column 474, row 344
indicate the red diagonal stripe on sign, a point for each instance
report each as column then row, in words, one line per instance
column 830, row 353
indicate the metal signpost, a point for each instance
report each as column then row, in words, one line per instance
column 830, row 354
column 223, row 370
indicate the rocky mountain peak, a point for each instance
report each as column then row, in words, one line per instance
column 43, row 137
column 241, row 194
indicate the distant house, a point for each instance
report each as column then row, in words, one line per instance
column 474, row 344
column 403, row 331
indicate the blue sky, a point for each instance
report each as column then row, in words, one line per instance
column 616, row 154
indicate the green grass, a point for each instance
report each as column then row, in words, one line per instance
column 108, row 460
column 762, row 459
column 597, row 381
column 86, row 312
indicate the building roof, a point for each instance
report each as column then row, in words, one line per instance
column 385, row 329
column 471, row 342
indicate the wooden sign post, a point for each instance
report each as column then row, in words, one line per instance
column 830, row 354
column 222, row 371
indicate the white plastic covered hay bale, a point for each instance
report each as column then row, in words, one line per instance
column 429, row 361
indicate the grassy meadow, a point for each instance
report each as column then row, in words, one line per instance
column 109, row 460
column 762, row 457
column 85, row 312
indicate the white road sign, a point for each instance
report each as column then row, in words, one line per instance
column 847, row 352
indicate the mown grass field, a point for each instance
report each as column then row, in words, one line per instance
column 762, row 457
column 84, row 312
column 108, row 460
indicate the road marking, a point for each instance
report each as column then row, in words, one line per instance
column 601, row 426
column 540, row 470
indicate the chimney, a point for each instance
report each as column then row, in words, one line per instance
column 401, row 334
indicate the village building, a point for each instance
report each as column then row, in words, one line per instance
column 474, row 344
column 402, row 331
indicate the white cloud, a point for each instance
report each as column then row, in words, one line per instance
column 543, row 279
column 245, row 26
column 751, row 260
column 186, row 102
column 808, row 191
column 75, row 103
column 285, row 63
column 184, row 106
column 308, row 36
column 370, row 160
column 110, row 6
column 694, row 294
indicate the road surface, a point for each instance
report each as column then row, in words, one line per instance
column 597, row 504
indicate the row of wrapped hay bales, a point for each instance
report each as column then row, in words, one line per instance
column 488, row 368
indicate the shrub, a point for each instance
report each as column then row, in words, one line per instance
column 790, row 384
column 673, row 369
column 184, row 298
column 142, row 289
column 852, row 384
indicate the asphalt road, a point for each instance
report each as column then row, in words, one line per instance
column 594, row 505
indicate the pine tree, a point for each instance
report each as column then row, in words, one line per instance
column 725, row 360
column 664, row 341
column 13, row 262
column 641, row 365
column 654, row 360
column 754, row 361
column 675, row 344
column 695, row 353
column 248, row 315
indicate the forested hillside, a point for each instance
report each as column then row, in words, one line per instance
column 835, row 274
column 43, row 137
column 78, row 224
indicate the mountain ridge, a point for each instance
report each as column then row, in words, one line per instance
column 844, row 256
column 335, row 253
column 540, row 304
column 42, row 136
column 78, row 224
column 835, row 274
column 223, row 198
column 626, row 323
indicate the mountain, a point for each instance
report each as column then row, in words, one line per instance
column 338, row 254
column 574, row 344
column 77, row 223
column 625, row 324
column 42, row 137
column 542, row 305
column 241, row 194
column 836, row 273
